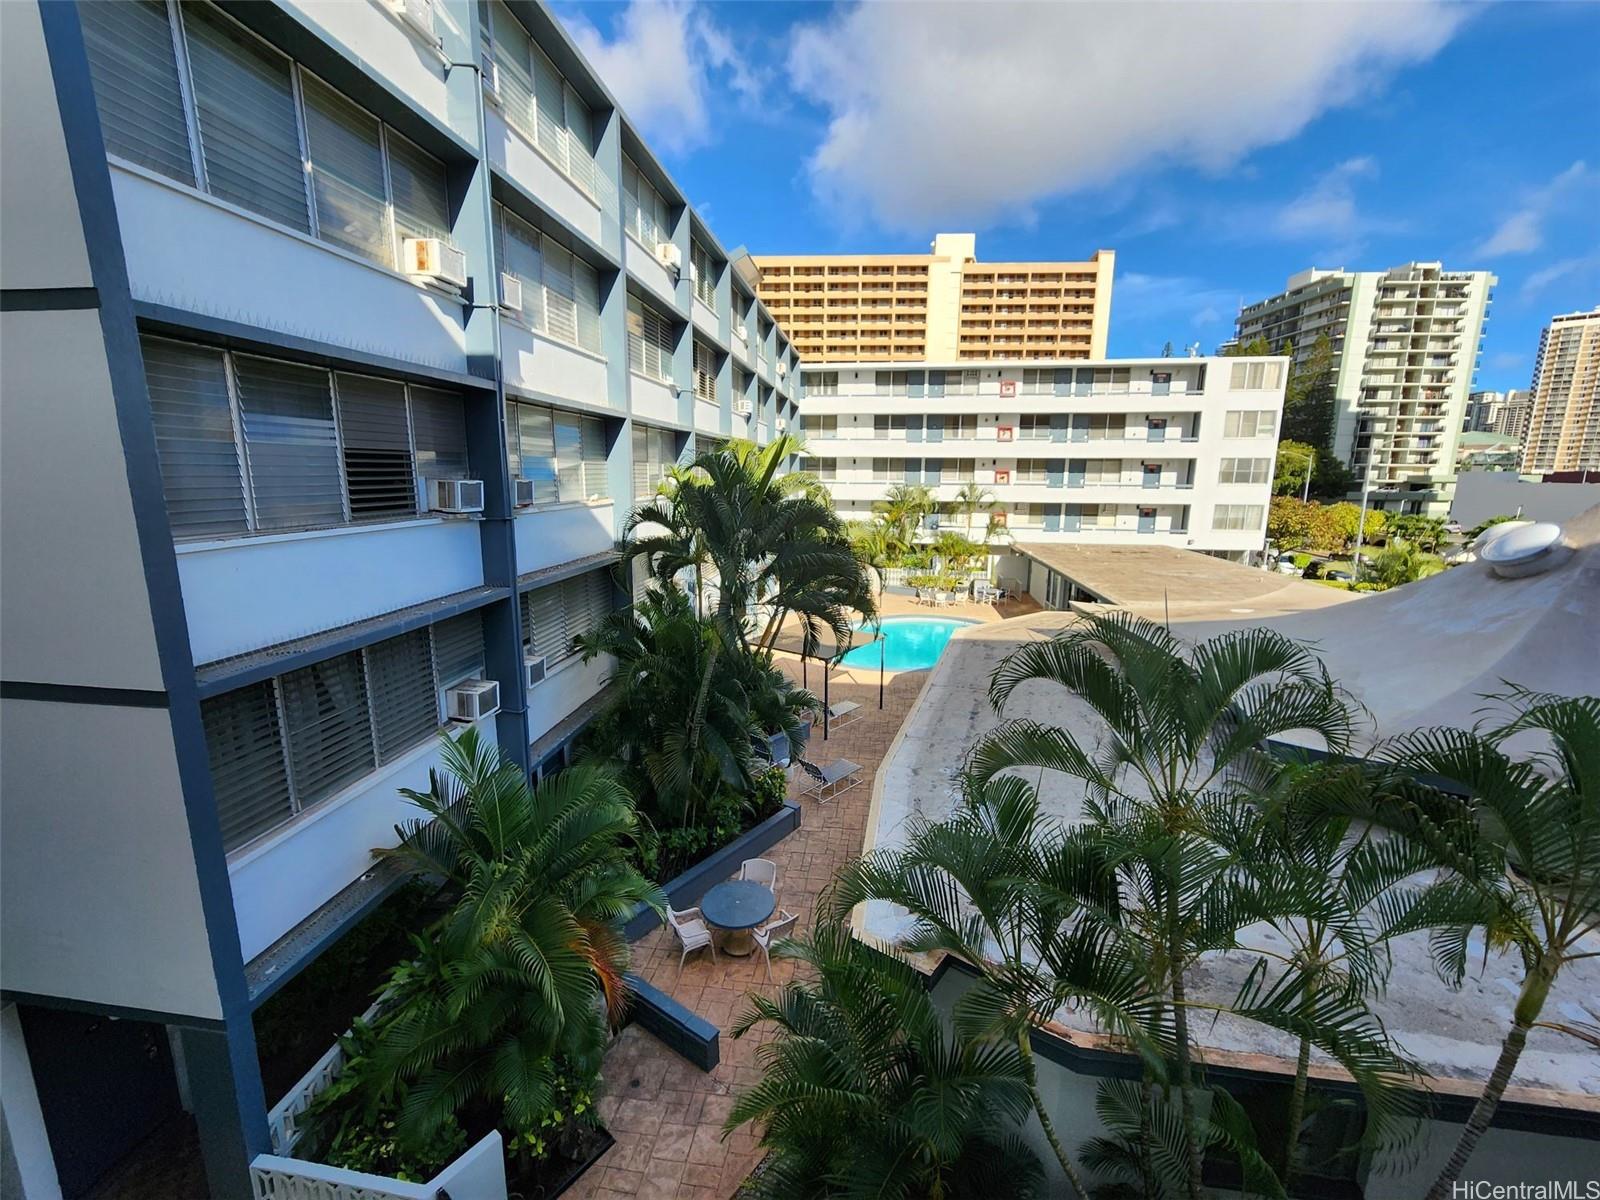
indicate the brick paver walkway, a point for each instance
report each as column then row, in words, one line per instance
column 665, row 1114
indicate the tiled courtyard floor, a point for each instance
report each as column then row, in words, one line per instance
column 665, row 1114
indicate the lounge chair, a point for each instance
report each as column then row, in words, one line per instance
column 832, row 779
column 845, row 712
column 771, row 932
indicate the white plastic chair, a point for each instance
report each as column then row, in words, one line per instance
column 693, row 933
column 771, row 932
column 760, row 870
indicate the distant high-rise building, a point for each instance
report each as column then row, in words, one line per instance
column 1405, row 346
column 1563, row 432
column 1488, row 412
column 943, row 306
column 1512, row 419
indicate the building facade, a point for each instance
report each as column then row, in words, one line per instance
column 1504, row 413
column 1405, row 348
column 941, row 306
column 1116, row 452
column 1563, row 430
column 341, row 337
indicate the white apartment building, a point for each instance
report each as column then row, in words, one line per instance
column 340, row 338
column 1405, row 349
column 1165, row 451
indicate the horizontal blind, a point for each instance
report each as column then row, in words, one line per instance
column 569, row 457
column 287, row 414
column 642, row 487
column 588, row 600
column 134, row 70
column 544, row 623
column 420, row 188
column 512, row 55
column 596, row 476
column 345, row 146
column 665, row 341
column 523, row 256
column 249, row 135
column 705, row 372
column 248, row 777
column 405, row 707
column 201, row 475
column 549, row 112
column 637, row 342
column 586, row 286
column 330, row 738
column 560, row 293
column 458, row 648
column 581, row 166
column 377, row 447
column 536, row 446
column 439, row 429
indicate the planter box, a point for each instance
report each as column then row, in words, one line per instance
column 478, row 1174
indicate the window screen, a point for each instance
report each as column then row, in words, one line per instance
column 245, row 747
column 458, row 648
column 439, row 429
column 135, row 75
column 345, row 146
column 200, row 470
column 544, row 623
column 530, row 433
column 244, row 100
column 586, row 288
column 405, row 707
column 330, row 738
column 377, row 447
column 569, row 457
column 523, row 256
column 596, row 477
column 561, row 293
column 287, row 414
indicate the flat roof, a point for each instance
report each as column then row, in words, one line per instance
column 1146, row 576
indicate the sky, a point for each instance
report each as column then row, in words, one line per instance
column 1218, row 148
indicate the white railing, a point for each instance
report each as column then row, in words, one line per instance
column 283, row 1122
column 478, row 1174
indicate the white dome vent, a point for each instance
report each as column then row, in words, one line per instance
column 1529, row 549
column 1496, row 531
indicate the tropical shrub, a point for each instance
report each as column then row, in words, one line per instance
column 1398, row 563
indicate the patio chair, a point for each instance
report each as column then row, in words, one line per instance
column 693, row 933
column 940, row 599
column 760, row 870
column 845, row 712
column 832, row 780
column 771, row 933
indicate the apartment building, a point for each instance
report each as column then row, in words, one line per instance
column 1159, row 451
column 939, row 307
column 1405, row 344
column 341, row 336
column 1563, row 430
column 1497, row 412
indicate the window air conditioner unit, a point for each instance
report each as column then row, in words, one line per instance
column 455, row 495
column 524, row 492
column 743, row 407
column 694, row 271
column 533, row 669
column 436, row 259
column 1002, row 477
column 473, row 700
column 418, row 14
column 781, row 425
column 491, row 78
column 669, row 256
column 510, row 293
column 740, row 332
column 783, row 368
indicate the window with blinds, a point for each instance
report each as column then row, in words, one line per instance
column 569, row 456
column 705, row 372
column 329, row 731
column 538, row 102
column 560, row 292
column 266, row 129
column 251, row 444
column 556, row 615
column 1245, row 470
column 655, row 453
column 249, row 775
column 405, row 705
column 645, row 212
column 376, row 441
column 531, row 443
column 596, row 474
column 651, row 339
column 704, row 271
column 458, row 648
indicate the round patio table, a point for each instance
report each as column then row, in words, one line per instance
column 737, row 907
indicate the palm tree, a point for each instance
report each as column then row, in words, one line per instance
column 511, row 976
column 902, row 509
column 1400, row 562
column 866, row 1094
column 1521, row 836
column 972, row 499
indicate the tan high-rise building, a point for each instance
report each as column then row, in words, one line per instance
column 1564, row 422
column 938, row 307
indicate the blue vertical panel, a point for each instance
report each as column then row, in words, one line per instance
column 1155, row 429
column 935, row 427
column 1058, row 427
column 1063, row 381
column 1071, row 518
column 914, row 383
column 1052, row 518
column 932, row 470
column 1075, row 468
column 913, row 429
column 1147, row 520
column 913, row 471
column 1160, row 383
column 1054, row 469
column 1080, row 427
column 1085, row 381
column 935, row 383
column 1152, row 475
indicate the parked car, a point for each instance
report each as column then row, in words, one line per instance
column 1286, row 567
column 1339, row 576
column 1453, row 527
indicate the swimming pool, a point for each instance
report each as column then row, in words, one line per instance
column 910, row 643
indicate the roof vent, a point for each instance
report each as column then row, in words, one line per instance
column 1531, row 549
column 1495, row 531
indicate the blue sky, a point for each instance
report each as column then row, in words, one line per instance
column 1218, row 148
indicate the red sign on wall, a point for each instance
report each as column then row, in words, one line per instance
column 1004, row 433
column 1008, row 387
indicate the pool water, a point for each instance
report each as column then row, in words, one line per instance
column 910, row 643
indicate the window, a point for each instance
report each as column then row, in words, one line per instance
column 539, row 103
column 1112, row 379
column 651, row 338
column 563, row 453
column 251, row 444
column 705, row 372
column 1236, row 516
column 1102, row 471
column 645, row 212
column 655, row 453
column 823, row 383
column 825, row 469
column 556, row 615
column 1029, row 470
column 704, row 273
column 959, row 470
column 961, row 426
column 891, row 383
column 887, row 426
column 1246, row 423
column 266, row 129
column 880, row 470
column 1036, row 381
column 959, row 382
column 1255, row 376
column 1245, row 470
column 596, row 475
column 531, row 444
column 822, row 427
column 280, row 746
column 560, row 292
column 1034, row 425
column 1102, row 426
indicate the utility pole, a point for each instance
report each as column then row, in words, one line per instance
column 1361, row 522
column 1311, row 465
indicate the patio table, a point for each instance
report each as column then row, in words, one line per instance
column 736, row 907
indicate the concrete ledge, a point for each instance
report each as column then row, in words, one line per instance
column 681, row 1030
column 685, row 890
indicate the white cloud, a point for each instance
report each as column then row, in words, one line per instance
column 1523, row 231
column 959, row 113
column 1328, row 207
column 1581, row 267
column 662, row 62
column 1138, row 297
